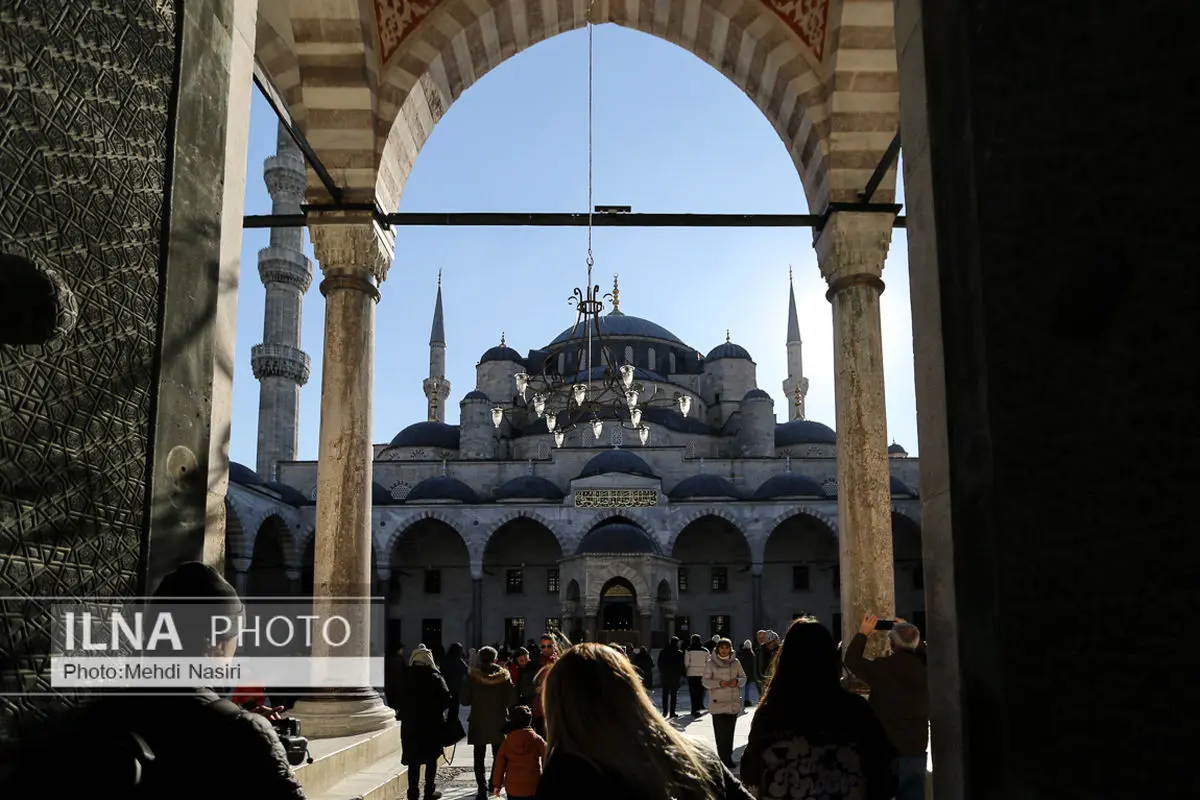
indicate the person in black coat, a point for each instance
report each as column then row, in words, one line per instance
column 671, row 668
column 424, row 698
column 645, row 666
column 454, row 670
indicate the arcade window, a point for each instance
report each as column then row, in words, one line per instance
column 551, row 581
column 800, row 578
column 514, row 582
column 718, row 625
column 918, row 576
column 682, row 580
column 720, row 579
column 431, row 632
column 433, row 581
column 514, row 631
column 553, row 624
column 683, row 626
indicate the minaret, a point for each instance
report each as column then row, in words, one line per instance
column 278, row 363
column 795, row 388
column 437, row 388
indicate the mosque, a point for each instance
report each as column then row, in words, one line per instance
column 723, row 521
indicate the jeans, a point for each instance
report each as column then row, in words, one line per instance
column 483, row 778
column 723, row 727
column 746, row 693
column 912, row 777
column 670, row 697
column 414, row 779
column 696, row 690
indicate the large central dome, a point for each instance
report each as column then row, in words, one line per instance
column 617, row 324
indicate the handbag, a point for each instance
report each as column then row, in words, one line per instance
column 452, row 731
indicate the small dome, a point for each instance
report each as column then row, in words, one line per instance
column 727, row 350
column 756, row 394
column 896, row 450
column 240, row 473
column 672, row 420
column 704, row 485
column 900, row 489
column 529, row 487
column 381, row 496
column 789, row 484
column 290, row 495
column 428, row 434
column 442, row 488
column 617, row 537
column 500, row 353
column 475, row 394
column 616, row 460
column 803, row 431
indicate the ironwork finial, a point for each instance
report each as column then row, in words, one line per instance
column 727, row 339
column 502, row 342
column 439, row 277
column 616, row 293
column 789, row 273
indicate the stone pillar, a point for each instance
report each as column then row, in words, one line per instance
column 756, row 597
column 590, row 630
column 851, row 249
column 354, row 254
column 477, row 610
column 295, row 584
column 241, row 573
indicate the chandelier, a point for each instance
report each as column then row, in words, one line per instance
column 601, row 391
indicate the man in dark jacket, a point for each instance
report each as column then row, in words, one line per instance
column 899, row 697
column 489, row 691
column 672, row 670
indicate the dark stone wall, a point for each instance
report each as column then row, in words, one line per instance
column 1059, row 142
column 86, row 92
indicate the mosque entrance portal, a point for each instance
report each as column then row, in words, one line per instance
column 618, row 612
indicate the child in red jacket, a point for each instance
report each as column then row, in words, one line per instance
column 519, row 762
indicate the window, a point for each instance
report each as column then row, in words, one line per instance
column 682, row 581
column 552, row 581
column 720, row 579
column 514, row 581
column 837, row 580
column 671, row 362
column 918, row 576
column 431, row 632
column 800, row 578
column 553, row 624
column 433, row 581
column 651, row 360
column 683, row 626
column 718, row 625
column 562, row 362
column 514, row 631
column 628, row 354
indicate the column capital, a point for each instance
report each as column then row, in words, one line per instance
column 240, row 563
column 351, row 247
column 852, row 247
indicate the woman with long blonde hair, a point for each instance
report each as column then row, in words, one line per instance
column 606, row 739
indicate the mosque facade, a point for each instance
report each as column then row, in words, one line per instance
column 724, row 522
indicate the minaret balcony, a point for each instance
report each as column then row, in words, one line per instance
column 274, row 360
column 285, row 177
column 286, row 266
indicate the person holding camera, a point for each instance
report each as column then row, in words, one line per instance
column 899, row 695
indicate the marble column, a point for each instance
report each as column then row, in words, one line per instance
column 477, row 610
column 354, row 254
column 647, row 627
column 850, row 251
column 295, row 582
column 241, row 570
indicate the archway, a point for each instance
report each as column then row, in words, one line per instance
column 618, row 612
column 909, row 570
column 429, row 588
column 800, row 574
column 714, row 583
column 268, row 568
column 521, row 592
column 235, row 542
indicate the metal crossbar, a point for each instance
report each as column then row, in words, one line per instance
column 564, row 220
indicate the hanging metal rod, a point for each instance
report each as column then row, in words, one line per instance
column 558, row 220
column 885, row 163
column 263, row 82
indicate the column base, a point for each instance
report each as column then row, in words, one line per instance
column 351, row 714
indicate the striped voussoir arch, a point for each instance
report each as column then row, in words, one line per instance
column 462, row 40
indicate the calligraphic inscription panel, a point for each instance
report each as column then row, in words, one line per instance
column 616, row 498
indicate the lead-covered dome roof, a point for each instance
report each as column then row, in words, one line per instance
column 427, row 434
column 803, row 431
column 901, row 489
column 617, row 537
column 788, row 484
column 290, row 495
column 500, row 353
column 240, row 473
column 727, row 350
column 443, row 488
column 619, row 461
column 529, row 487
column 704, row 485
column 618, row 324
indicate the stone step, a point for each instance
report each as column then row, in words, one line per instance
column 335, row 760
column 386, row 779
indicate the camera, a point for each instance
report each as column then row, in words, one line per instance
column 295, row 745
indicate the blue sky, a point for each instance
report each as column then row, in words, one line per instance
column 671, row 135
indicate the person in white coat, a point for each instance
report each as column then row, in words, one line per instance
column 695, row 661
column 724, row 679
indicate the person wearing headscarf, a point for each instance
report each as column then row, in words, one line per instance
column 749, row 662
column 765, row 663
column 424, row 699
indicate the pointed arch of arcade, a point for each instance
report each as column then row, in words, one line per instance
column 527, row 526
column 269, row 562
column 630, row 515
column 406, row 523
column 236, row 544
column 529, row 514
column 698, row 514
column 803, row 543
column 808, row 511
column 617, row 571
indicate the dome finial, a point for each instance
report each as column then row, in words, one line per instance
column 439, row 277
column 789, row 273
column 502, row 342
column 616, row 292
column 727, row 340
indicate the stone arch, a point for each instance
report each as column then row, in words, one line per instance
column 643, row 521
column 618, row 569
column 913, row 516
column 665, row 592
column 698, row 516
column 809, row 511
column 236, row 544
column 695, row 514
column 405, row 523
column 527, row 513
column 268, row 575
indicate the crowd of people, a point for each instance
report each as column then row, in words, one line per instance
column 576, row 721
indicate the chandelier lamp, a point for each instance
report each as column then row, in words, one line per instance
column 601, row 391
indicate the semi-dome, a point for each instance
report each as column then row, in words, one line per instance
column 618, row 324
column 727, row 350
column 756, row 394
column 475, row 394
column 617, row 537
column 529, row 487
column 901, row 489
column 500, row 353
column 441, row 487
column 240, row 473
column 427, row 434
column 290, row 495
column 788, row 484
column 803, row 431
column 617, row 460
column 704, row 485
column 896, row 450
